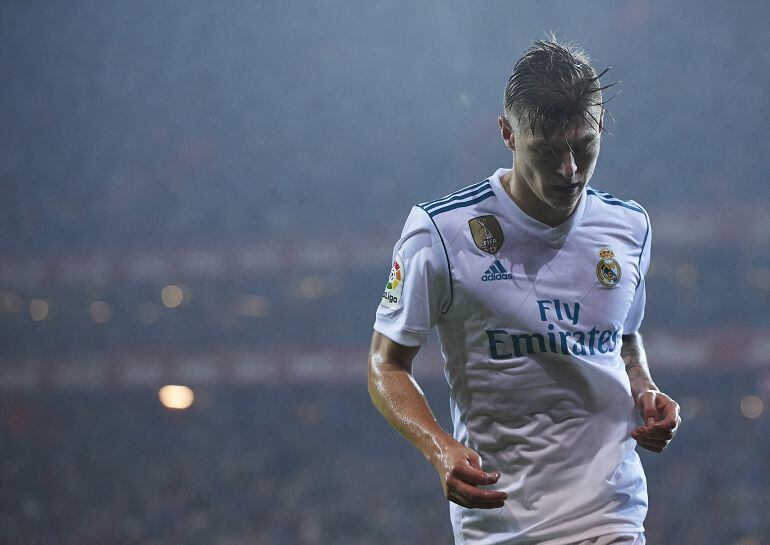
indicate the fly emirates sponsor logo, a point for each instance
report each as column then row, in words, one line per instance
column 579, row 342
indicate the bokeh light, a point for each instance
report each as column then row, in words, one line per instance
column 174, row 396
column 38, row 309
column 172, row 296
column 752, row 406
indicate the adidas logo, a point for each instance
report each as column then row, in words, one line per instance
column 496, row 272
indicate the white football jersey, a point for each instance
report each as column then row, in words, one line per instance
column 530, row 319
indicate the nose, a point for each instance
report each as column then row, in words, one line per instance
column 567, row 166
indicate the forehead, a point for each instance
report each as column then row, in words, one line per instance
column 578, row 129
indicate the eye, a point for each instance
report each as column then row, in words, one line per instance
column 585, row 147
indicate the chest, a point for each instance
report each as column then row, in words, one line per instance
column 587, row 281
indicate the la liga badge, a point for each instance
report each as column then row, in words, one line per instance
column 391, row 297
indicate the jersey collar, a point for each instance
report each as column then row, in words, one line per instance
column 553, row 235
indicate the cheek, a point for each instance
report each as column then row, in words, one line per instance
column 534, row 176
column 590, row 159
column 588, row 165
column 536, row 168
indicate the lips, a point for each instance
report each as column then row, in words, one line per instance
column 567, row 190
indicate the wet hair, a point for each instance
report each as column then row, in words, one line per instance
column 552, row 83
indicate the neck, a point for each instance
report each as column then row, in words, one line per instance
column 529, row 203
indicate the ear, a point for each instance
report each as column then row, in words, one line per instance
column 506, row 132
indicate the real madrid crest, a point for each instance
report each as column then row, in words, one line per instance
column 487, row 233
column 608, row 269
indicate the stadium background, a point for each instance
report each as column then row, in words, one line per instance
column 207, row 194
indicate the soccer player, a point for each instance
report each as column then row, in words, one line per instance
column 535, row 283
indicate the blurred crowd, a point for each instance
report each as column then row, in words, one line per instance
column 185, row 122
column 317, row 465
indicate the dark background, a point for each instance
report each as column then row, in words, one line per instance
column 262, row 157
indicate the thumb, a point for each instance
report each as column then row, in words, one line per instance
column 474, row 459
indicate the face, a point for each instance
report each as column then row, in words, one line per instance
column 551, row 173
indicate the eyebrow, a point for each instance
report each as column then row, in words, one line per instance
column 584, row 140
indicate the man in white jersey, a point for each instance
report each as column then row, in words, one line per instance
column 535, row 283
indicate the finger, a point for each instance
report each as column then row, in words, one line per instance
column 655, row 446
column 657, row 440
column 646, row 403
column 476, row 505
column 472, row 475
column 670, row 411
column 653, row 433
column 652, row 441
column 460, row 499
column 474, row 461
column 477, row 494
column 454, row 497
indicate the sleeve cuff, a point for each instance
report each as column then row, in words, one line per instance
column 399, row 335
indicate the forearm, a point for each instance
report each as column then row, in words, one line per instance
column 398, row 397
column 635, row 358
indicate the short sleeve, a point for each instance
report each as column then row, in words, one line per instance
column 636, row 312
column 418, row 287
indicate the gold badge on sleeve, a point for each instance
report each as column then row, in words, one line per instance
column 608, row 269
column 487, row 233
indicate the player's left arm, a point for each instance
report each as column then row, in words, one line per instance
column 659, row 412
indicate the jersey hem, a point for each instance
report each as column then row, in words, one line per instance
column 603, row 531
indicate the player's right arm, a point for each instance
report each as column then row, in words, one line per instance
column 418, row 290
column 400, row 400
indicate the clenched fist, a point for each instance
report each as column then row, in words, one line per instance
column 661, row 420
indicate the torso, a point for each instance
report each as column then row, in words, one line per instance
column 532, row 346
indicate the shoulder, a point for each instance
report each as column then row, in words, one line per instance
column 602, row 198
column 629, row 213
column 459, row 203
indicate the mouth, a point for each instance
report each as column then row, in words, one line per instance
column 567, row 190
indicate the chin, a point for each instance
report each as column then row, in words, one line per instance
column 564, row 203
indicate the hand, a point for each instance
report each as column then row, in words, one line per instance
column 661, row 416
column 459, row 469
